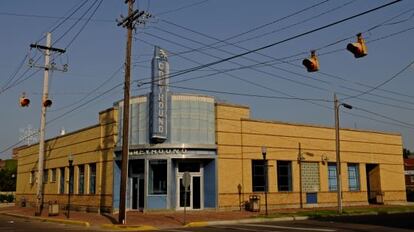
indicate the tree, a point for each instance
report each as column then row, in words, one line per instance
column 8, row 177
column 406, row 153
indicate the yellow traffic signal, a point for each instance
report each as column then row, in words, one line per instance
column 359, row 49
column 311, row 63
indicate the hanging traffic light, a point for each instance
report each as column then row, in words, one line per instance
column 359, row 49
column 24, row 101
column 47, row 103
column 312, row 63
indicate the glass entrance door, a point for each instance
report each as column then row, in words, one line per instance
column 192, row 198
column 137, row 192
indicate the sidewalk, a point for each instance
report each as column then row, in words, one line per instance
column 174, row 219
column 156, row 219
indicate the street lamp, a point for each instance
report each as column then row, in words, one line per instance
column 265, row 176
column 338, row 157
column 70, row 160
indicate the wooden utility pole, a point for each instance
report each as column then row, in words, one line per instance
column 129, row 23
column 45, row 103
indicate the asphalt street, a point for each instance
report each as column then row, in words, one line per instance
column 377, row 223
column 14, row 224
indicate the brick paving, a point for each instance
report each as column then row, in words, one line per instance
column 164, row 219
column 158, row 219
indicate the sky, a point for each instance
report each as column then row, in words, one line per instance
column 271, row 81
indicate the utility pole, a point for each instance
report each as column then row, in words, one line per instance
column 134, row 17
column 45, row 103
column 338, row 157
column 338, row 151
column 300, row 159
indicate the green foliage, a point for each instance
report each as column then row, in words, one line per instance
column 406, row 153
column 6, row 198
column 7, row 180
column 11, row 164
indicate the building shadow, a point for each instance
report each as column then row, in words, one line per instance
column 110, row 218
column 394, row 220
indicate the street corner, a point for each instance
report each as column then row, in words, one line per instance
column 197, row 224
column 54, row 220
column 128, row 227
column 65, row 221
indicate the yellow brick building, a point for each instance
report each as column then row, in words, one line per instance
column 374, row 158
column 219, row 147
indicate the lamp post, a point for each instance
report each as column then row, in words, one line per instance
column 70, row 160
column 338, row 157
column 265, row 176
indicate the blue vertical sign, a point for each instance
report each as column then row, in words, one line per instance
column 158, row 96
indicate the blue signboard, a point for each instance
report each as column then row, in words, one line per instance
column 158, row 96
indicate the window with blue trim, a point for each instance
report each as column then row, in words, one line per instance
column 332, row 177
column 353, row 177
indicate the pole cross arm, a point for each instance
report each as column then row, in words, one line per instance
column 47, row 48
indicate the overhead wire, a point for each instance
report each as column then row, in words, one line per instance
column 84, row 25
column 255, row 28
column 383, row 83
column 313, row 17
column 250, row 95
column 221, row 72
column 285, row 40
column 180, row 8
column 396, row 106
column 64, row 19
column 92, row 91
column 78, row 20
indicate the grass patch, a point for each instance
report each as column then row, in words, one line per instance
column 318, row 213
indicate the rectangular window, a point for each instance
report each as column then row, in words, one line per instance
column 92, row 178
column 284, row 176
column 45, row 176
column 157, row 177
column 332, row 176
column 71, row 179
column 53, row 177
column 258, row 175
column 62, row 181
column 81, row 179
column 353, row 177
column 32, row 177
column 412, row 179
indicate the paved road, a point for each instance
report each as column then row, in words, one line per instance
column 377, row 223
column 13, row 224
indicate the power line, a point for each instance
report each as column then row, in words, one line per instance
column 16, row 71
column 255, row 28
column 92, row 91
column 385, row 117
column 78, row 20
column 284, row 40
column 383, row 83
column 65, row 19
column 251, row 95
column 261, row 26
column 294, row 24
column 180, row 8
column 281, row 77
column 84, row 25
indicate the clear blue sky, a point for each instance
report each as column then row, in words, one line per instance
column 179, row 26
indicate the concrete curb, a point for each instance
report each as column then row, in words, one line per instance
column 54, row 220
column 241, row 221
column 128, row 228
